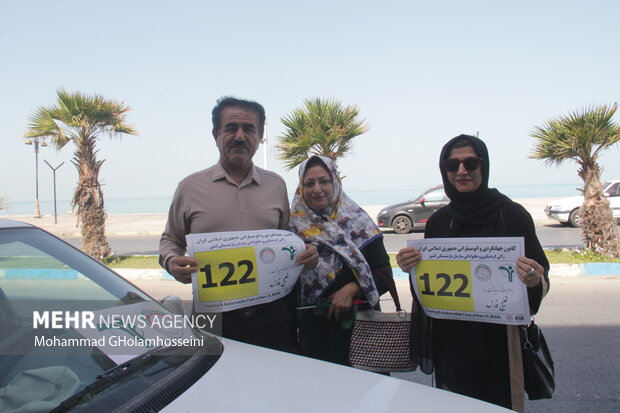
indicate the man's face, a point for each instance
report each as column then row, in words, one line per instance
column 238, row 136
column 464, row 180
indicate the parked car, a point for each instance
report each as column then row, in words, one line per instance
column 39, row 271
column 412, row 215
column 567, row 210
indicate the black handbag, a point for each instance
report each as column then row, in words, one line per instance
column 538, row 370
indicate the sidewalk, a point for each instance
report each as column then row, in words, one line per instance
column 116, row 224
column 154, row 224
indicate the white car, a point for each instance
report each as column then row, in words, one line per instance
column 566, row 210
column 41, row 274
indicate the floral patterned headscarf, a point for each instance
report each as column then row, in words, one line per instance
column 339, row 231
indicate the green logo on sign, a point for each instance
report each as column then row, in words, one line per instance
column 510, row 272
column 290, row 250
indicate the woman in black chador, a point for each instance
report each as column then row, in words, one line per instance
column 480, row 360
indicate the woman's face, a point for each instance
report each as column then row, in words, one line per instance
column 318, row 187
column 464, row 180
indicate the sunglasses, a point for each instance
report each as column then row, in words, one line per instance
column 470, row 163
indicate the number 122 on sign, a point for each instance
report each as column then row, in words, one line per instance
column 445, row 285
column 227, row 274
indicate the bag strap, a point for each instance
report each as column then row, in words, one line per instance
column 394, row 292
column 527, row 344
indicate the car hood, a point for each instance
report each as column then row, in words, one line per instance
column 572, row 201
column 252, row 379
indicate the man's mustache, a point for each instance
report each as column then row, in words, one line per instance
column 239, row 144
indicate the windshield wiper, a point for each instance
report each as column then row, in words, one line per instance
column 108, row 376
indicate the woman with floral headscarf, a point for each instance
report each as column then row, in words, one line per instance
column 353, row 264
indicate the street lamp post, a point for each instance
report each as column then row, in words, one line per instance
column 36, row 140
column 265, row 148
column 54, row 172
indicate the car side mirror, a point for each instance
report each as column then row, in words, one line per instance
column 174, row 304
column 422, row 201
column 606, row 194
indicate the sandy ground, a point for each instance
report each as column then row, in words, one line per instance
column 153, row 224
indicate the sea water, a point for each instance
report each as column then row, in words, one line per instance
column 154, row 205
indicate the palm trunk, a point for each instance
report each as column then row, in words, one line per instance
column 89, row 200
column 599, row 230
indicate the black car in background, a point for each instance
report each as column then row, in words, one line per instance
column 412, row 215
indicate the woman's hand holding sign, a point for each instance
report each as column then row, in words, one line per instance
column 309, row 258
column 407, row 258
column 529, row 271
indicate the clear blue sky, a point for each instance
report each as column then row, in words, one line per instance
column 421, row 73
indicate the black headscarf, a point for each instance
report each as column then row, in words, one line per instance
column 477, row 207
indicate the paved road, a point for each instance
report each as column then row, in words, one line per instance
column 579, row 318
column 550, row 235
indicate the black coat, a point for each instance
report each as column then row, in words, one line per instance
column 470, row 357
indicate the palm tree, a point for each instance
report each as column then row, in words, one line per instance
column 582, row 136
column 3, row 202
column 320, row 127
column 82, row 119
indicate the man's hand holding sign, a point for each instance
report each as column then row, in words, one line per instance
column 471, row 278
column 244, row 268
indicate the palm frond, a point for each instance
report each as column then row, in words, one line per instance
column 581, row 135
column 319, row 127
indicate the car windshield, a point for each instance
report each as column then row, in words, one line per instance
column 434, row 196
column 48, row 352
column 430, row 195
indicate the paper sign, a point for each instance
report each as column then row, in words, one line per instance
column 243, row 268
column 472, row 279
